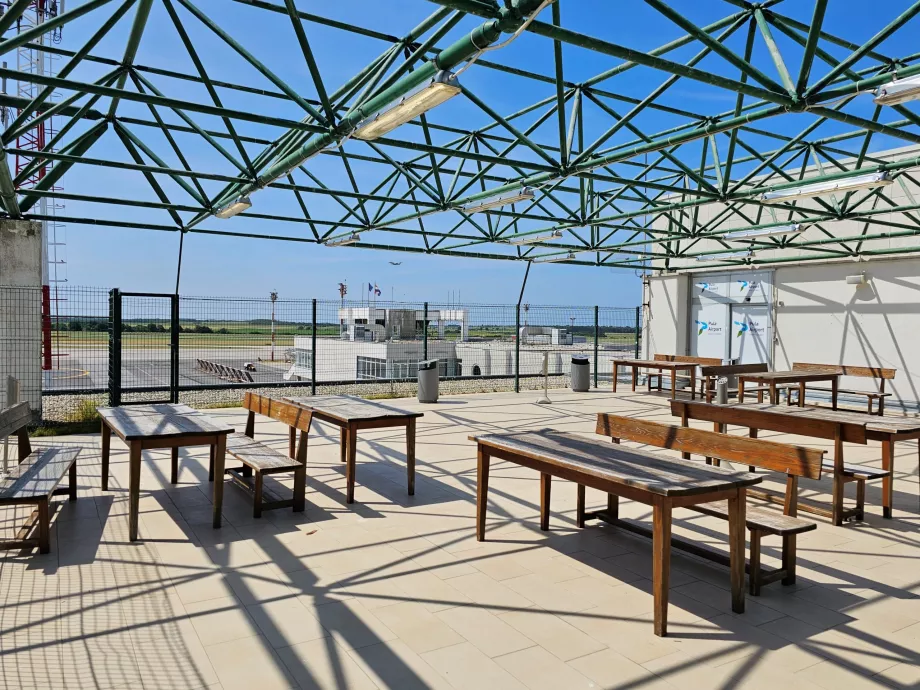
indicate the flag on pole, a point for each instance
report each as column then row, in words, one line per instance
column 376, row 290
column 370, row 288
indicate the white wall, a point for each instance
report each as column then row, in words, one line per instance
column 665, row 327
column 819, row 318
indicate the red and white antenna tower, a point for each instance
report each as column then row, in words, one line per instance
column 31, row 59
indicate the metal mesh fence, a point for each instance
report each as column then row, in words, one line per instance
column 111, row 346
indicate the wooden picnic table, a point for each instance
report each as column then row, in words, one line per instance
column 772, row 379
column 663, row 483
column 163, row 425
column 887, row 430
column 353, row 414
column 660, row 365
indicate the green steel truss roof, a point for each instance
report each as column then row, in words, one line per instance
column 742, row 99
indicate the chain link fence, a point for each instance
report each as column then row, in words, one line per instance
column 108, row 346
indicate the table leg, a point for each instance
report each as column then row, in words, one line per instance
column 887, row 482
column 134, row 487
column 635, row 377
column 673, row 384
column 801, row 394
column 545, row 484
column 740, row 390
column 736, row 534
column 835, row 383
column 350, row 464
column 482, row 492
column 410, row 454
column 661, row 562
column 615, row 367
column 343, row 444
column 106, row 450
column 220, row 456
column 693, row 383
column 580, row 506
column 774, row 394
column 174, row 468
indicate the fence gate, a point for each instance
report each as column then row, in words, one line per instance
column 143, row 347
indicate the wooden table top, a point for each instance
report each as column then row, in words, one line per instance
column 790, row 376
column 347, row 408
column 163, row 420
column 657, row 363
column 639, row 469
column 888, row 425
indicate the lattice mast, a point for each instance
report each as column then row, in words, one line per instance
column 31, row 60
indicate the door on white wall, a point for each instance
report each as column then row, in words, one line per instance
column 751, row 333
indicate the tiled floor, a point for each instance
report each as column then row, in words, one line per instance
column 395, row 592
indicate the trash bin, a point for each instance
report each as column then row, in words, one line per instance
column 428, row 381
column 581, row 374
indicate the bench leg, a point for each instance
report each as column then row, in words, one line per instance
column 860, row 499
column 135, row 458
column 250, row 424
column 350, row 465
column 410, row 455
column 580, row 506
column 887, row 484
column 789, row 559
column 174, row 475
column 754, row 573
column 257, row 497
column 106, row 449
column 482, row 492
column 72, row 487
column 737, row 528
column 44, row 527
column 292, row 442
column 661, row 563
column 545, row 484
column 300, row 488
column 837, row 510
column 613, row 506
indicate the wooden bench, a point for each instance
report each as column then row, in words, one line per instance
column 802, row 422
column 677, row 358
column 794, row 461
column 878, row 373
column 35, row 479
column 260, row 460
column 710, row 373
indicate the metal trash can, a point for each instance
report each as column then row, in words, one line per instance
column 428, row 381
column 581, row 374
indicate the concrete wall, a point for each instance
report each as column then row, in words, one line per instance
column 20, row 308
column 665, row 327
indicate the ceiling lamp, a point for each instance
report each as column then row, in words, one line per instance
column 793, row 229
column 898, row 91
column 535, row 237
column 808, row 191
column 723, row 257
column 344, row 240
column 234, row 208
column 525, row 194
column 442, row 87
column 552, row 258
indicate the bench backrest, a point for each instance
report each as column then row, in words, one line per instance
column 789, row 423
column 14, row 418
column 687, row 358
column 732, row 369
column 847, row 370
column 292, row 415
column 796, row 461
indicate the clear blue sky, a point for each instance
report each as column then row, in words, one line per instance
column 146, row 260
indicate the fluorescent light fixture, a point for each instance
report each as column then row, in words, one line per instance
column 442, row 87
column 525, row 194
column 536, row 237
column 234, row 208
column 552, row 258
column 899, row 91
column 342, row 241
column 807, row 191
column 793, row 229
column 723, row 257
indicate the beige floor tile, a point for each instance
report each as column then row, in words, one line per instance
column 488, row 593
column 323, row 665
column 555, row 596
column 249, row 663
column 171, row 657
column 834, row 677
column 417, row 627
column 352, row 625
column 541, row 671
column 425, row 587
column 552, row 633
column 221, row 620
column 257, row 583
column 467, row 668
column 487, row 632
column 393, row 665
column 285, row 622
column 609, row 669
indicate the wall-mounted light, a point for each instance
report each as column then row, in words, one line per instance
column 858, row 279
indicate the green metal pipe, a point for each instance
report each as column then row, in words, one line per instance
column 51, row 24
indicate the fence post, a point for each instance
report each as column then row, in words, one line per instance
column 596, row 337
column 517, row 349
column 174, row 349
column 425, row 332
column 313, row 353
column 637, row 331
column 114, row 347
